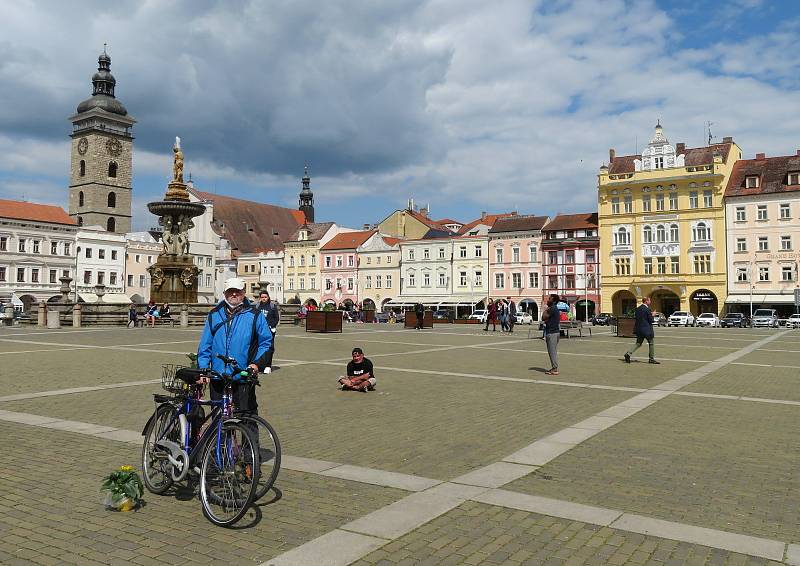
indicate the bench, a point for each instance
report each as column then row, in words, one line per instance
column 566, row 327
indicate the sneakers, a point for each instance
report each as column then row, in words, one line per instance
column 654, row 361
column 627, row 358
column 267, row 370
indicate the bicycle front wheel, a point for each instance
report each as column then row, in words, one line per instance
column 269, row 453
column 228, row 476
column 156, row 467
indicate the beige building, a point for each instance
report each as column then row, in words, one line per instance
column 378, row 271
column 301, row 273
column 266, row 266
column 141, row 252
column 762, row 206
column 409, row 224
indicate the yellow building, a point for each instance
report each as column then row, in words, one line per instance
column 662, row 226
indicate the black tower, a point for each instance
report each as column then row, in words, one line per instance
column 307, row 198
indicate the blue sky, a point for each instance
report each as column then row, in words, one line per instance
column 466, row 105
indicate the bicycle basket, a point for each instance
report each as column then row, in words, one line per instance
column 169, row 380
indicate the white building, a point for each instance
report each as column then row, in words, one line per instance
column 100, row 261
column 37, row 248
column 141, row 252
column 259, row 267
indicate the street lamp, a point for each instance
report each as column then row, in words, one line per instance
column 750, row 280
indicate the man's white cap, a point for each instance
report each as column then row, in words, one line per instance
column 235, row 283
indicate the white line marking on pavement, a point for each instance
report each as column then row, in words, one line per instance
column 336, row 548
column 72, row 390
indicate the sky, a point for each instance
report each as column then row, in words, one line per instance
column 465, row 105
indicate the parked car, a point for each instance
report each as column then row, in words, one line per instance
column 659, row 319
column 793, row 321
column 442, row 314
column 602, row 319
column 708, row 319
column 382, row 317
column 765, row 318
column 734, row 319
column 681, row 318
column 478, row 315
column 523, row 318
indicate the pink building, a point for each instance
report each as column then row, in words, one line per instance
column 571, row 262
column 339, row 268
column 515, row 261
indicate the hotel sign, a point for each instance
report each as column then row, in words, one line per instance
column 656, row 250
column 784, row 255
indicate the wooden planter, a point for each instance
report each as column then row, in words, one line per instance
column 369, row 316
column 625, row 326
column 411, row 319
column 324, row 321
column 467, row 321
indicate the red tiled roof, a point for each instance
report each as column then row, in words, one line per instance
column 444, row 221
column 693, row 156
column 21, row 210
column 518, row 223
column 250, row 226
column 425, row 220
column 316, row 230
column 487, row 220
column 391, row 241
column 572, row 222
column 348, row 240
column 772, row 175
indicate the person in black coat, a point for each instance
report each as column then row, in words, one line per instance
column 643, row 329
column 419, row 310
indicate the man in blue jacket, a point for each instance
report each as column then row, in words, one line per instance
column 235, row 328
column 643, row 329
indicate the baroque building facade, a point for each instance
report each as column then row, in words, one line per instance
column 662, row 226
column 378, row 271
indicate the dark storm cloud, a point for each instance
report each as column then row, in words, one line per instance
column 258, row 86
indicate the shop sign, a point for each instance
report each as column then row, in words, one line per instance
column 660, row 250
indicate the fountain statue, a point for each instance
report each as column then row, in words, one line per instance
column 173, row 277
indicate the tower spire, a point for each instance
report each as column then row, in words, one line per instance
column 307, row 197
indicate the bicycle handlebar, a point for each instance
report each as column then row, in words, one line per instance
column 238, row 374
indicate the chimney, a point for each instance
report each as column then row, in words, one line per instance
column 761, row 156
column 727, row 139
column 611, row 155
column 483, row 215
column 366, row 225
column 680, row 148
column 798, row 152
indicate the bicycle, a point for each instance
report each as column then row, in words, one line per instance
column 179, row 435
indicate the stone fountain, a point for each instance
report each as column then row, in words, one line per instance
column 173, row 277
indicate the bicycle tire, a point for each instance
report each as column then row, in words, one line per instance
column 270, row 446
column 231, row 483
column 162, row 417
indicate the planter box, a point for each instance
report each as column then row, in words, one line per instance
column 411, row 319
column 369, row 316
column 467, row 321
column 323, row 321
column 625, row 326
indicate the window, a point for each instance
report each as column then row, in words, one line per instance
column 533, row 280
column 291, row 261
column 53, row 248
column 741, row 216
column 313, row 261
column 426, row 254
column 112, row 169
column 622, row 266
column 763, row 273
column 462, row 277
column 327, row 261
column 67, row 248
column 662, row 265
column 673, row 201
column 313, row 284
column 378, row 281
column 708, row 199
column 787, row 273
column 82, row 168
column 569, row 281
column 411, row 280
column 532, row 250
column 676, row 264
column 741, row 274
column 2, row 274
column 101, row 253
column 20, row 274
column 478, row 251
column 661, row 234
column 411, row 254
column 591, row 256
column 291, row 283
column 3, row 243
column 149, row 259
column 87, row 277
column 328, row 285
column 208, row 281
column 498, row 255
column 53, row 276
column 761, row 212
column 786, row 243
column 741, row 244
column 21, row 245
column 130, row 280
column 615, row 205
column 441, row 253
column 499, row 280
column 569, row 256
column 693, row 202
column 36, row 248
column 114, row 255
column 793, row 179
column 80, row 198
column 442, row 280
column 142, row 281
column 659, row 203
column 112, row 278
column 751, row 181
column 34, row 275
column 302, row 282
column 88, row 253
column 702, row 264
column 786, row 212
column 388, row 281
column 646, row 203
column 302, row 261
column 622, row 237
column 648, row 266
column 763, row 244
column 515, row 255
column 628, row 203
column 552, row 282
column 112, row 200
column 101, row 278
column 552, row 257
column 426, row 280
column 659, row 161
column 350, row 261
column 478, row 278
column 701, row 232
column 462, row 251
column 673, row 233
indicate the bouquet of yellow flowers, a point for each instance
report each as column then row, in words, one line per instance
column 123, row 489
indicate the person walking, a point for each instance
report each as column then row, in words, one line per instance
column 643, row 330
column 419, row 310
column 502, row 309
column 269, row 309
column 133, row 316
column 491, row 316
column 552, row 332
column 512, row 314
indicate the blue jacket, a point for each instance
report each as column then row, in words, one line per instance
column 643, row 326
column 244, row 337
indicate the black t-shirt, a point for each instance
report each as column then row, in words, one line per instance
column 553, row 322
column 354, row 369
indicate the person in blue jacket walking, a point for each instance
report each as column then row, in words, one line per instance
column 235, row 328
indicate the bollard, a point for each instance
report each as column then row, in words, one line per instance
column 9, row 320
column 41, row 319
column 76, row 316
column 184, row 316
column 53, row 319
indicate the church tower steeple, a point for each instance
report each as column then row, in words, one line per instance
column 102, row 154
column 307, row 197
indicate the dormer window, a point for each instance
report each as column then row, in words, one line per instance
column 303, row 235
column 794, row 178
column 751, row 182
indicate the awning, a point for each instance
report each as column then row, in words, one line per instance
column 108, row 298
column 760, row 299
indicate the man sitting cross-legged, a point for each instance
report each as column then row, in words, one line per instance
column 360, row 374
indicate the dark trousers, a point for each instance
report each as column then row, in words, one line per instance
column 493, row 322
column 420, row 317
column 271, row 352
